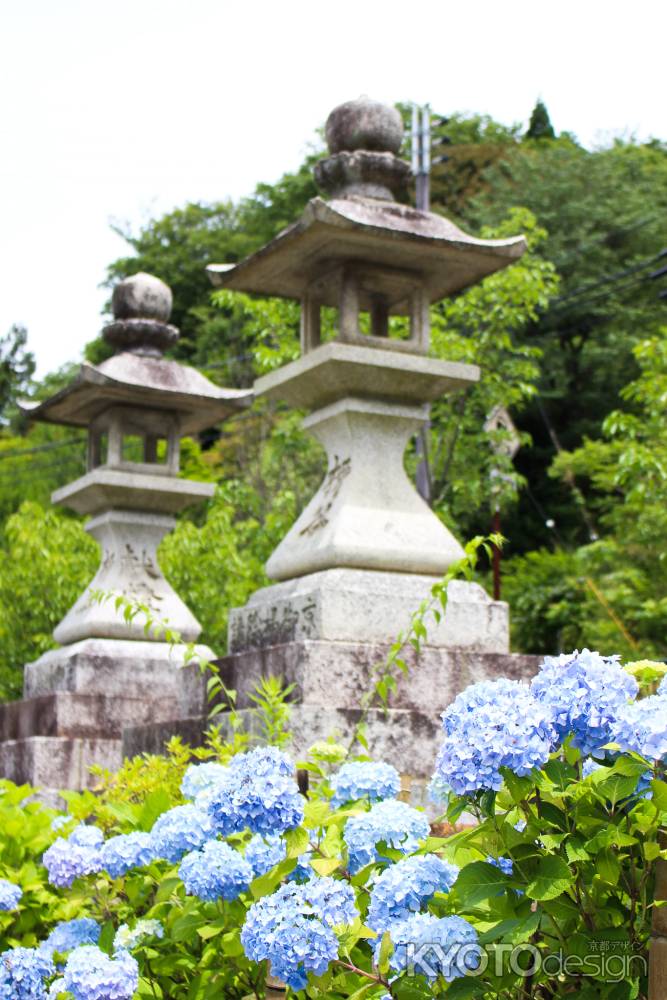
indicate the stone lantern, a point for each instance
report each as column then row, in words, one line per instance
column 367, row 549
column 110, row 671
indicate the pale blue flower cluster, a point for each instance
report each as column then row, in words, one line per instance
column 585, row 692
column 10, row 895
column 264, row 853
column 71, row 934
column 641, row 727
column 292, row 928
column 215, row 872
column 488, row 726
column 365, row 780
column 127, row 938
column 90, row 974
column 118, row 855
column 262, row 761
column 394, row 822
column 23, row 972
column 60, row 821
column 179, row 830
column 262, row 801
column 403, row 888
column 201, row 778
column 66, row 860
column 430, row 946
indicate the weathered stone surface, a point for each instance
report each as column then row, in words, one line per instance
column 103, row 488
column 87, row 716
column 142, row 296
column 152, row 671
column 367, row 229
column 364, row 124
column 352, row 605
column 130, row 569
column 52, row 763
column 340, row 673
column 153, row 737
column 334, row 371
column 366, row 514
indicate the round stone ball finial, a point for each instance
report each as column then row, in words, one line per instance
column 364, row 124
column 141, row 307
column 142, row 296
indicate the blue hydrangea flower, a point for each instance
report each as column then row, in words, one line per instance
column 71, row 934
column 662, row 688
column 202, row 778
column 506, row 865
column 333, row 901
column 263, row 803
column 179, row 830
column 439, row 792
column 262, row 761
column 491, row 725
column 10, row 895
column 584, row 692
column 264, row 853
column 292, row 928
column 126, row 851
column 65, row 860
column 428, row 946
column 23, row 972
column 127, row 938
column 86, row 836
column 403, row 888
column 642, row 727
column 396, row 823
column 215, row 872
column 91, row 975
column 365, row 780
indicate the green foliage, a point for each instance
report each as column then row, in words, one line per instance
column 483, row 326
column 46, row 561
column 17, row 367
column 613, row 590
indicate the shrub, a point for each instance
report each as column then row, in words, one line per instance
column 208, row 890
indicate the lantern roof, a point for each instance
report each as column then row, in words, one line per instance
column 362, row 222
column 138, row 375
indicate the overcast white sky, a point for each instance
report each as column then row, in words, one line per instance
column 125, row 109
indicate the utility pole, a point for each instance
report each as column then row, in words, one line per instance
column 420, row 150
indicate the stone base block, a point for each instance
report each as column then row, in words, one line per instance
column 354, row 605
column 340, row 673
column 81, row 716
column 123, row 669
column 153, row 737
column 51, row 763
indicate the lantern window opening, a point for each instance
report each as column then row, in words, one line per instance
column 375, row 306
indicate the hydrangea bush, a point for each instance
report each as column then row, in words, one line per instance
column 238, row 880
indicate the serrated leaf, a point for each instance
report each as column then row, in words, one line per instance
column 479, row 881
column 552, row 877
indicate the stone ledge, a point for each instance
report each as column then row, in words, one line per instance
column 330, row 673
column 366, row 606
column 55, row 762
column 118, row 668
column 88, row 716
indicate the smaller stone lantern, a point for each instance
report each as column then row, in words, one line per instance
column 110, row 670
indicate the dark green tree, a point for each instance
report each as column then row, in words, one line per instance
column 540, row 126
column 17, row 367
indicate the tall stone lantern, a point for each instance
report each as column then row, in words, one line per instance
column 110, row 671
column 367, row 549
